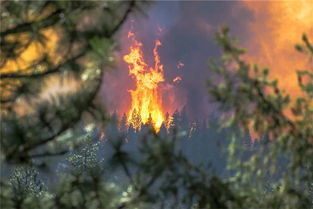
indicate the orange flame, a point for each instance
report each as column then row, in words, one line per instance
column 146, row 102
column 277, row 27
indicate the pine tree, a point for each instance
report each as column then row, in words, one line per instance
column 284, row 149
column 136, row 120
column 150, row 122
column 123, row 123
column 61, row 45
column 163, row 130
column 184, row 123
column 175, row 121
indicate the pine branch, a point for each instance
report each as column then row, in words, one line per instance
column 29, row 26
column 130, row 8
column 48, row 154
column 56, row 69
column 26, row 149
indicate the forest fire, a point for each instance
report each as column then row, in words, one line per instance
column 267, row 46
column 146, row 101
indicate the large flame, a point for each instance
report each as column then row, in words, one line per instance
column 146, row 101
column 277, row 27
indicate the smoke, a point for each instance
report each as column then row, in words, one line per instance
column 191, row 40
column 118, row 82
column 269, row 31
column 186, row 30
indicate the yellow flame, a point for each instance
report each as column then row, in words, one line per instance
column 146, row 102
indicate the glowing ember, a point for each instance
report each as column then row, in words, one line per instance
column 180, row 65
column 177, row 79
column 146, row 102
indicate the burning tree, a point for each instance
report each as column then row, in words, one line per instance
column 162, row 176
column 146, row 99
